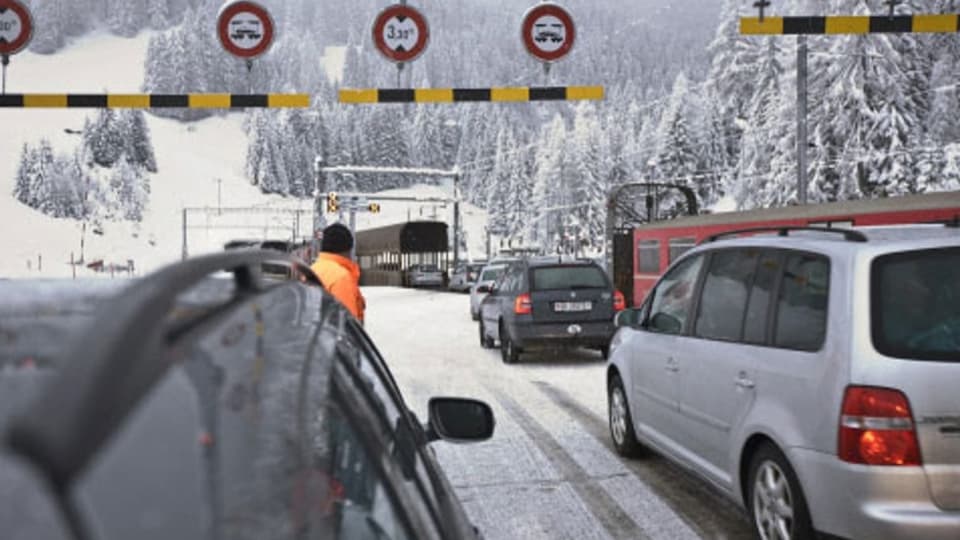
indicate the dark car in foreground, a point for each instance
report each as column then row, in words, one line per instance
column 550, row 302
column 191, row 405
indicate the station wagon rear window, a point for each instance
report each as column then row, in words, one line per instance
column 568, row 277
column 915, row 305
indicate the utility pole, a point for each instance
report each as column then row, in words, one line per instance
column 802, row 119
column 184, row 254
column 456, row 219
column 319, row 218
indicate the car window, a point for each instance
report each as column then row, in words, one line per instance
column 755, row 322
column 356, row 496
column 406, row 440
column 492, row 274
column 568, row 277
column 673, row 297
column 802, row 303
column 915, row 302
column 726, row 288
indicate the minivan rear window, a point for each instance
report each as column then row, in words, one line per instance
column 915, row 305
column 568, row 277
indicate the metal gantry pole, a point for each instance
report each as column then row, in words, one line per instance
column 456, row 220
column 184, row 253
column 802, row 119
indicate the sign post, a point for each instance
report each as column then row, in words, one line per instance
column 16, row 31
column 548, row 33
column 401, row 33
column 246, row 30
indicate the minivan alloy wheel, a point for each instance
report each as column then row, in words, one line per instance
column 773, row 503
column 618, row 416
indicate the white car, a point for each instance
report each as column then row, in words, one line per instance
column 490, row 274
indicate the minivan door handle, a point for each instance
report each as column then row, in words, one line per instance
column 744, row 382
column 672, row 365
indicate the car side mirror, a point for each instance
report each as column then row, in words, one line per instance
column 484, row 289
column 628, row 318
column 459, row 420
column 667, row 324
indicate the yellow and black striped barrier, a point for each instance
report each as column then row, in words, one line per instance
column 154, row 101
column 858, row 24
column 470, row 95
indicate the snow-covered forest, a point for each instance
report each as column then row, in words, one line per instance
column 689, row 100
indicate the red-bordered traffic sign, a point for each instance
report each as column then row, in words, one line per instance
column 548, row 32
column 245, row 29
column 401, row 33
column 16, row 27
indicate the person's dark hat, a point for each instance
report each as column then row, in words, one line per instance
column 336, row 239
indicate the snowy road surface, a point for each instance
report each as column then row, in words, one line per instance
column 550, row 471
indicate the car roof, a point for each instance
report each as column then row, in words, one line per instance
column 878, row 239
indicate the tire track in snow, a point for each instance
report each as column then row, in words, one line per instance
column 616, row 522
column 695, row 502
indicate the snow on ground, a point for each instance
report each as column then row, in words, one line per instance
column 191, row 158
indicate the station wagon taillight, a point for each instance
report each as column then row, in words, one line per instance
column 619, row 302
column 876, row 428
column 523, row 305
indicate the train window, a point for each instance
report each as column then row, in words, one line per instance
column 679, row 246
column 648, row 253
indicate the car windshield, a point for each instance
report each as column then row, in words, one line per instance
column 568, row 277
column 492, row 274
column 916, row 305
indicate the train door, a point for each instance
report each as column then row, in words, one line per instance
column 623, row 270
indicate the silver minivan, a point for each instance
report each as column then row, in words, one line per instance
column 812, row 376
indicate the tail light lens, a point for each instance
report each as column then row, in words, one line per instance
column 619, row 302
column 877, row 428
column 522, row 305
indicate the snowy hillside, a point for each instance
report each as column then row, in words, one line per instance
column 191, row 159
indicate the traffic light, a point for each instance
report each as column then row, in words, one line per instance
column 333, row 203
column 374, row 208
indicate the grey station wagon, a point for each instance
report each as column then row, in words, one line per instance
column 812, row 376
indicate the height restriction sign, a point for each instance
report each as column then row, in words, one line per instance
column 401, row 33
column 245, row 29
column 548, row 32
column 16, row 27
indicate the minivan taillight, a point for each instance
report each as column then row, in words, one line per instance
column 876, row 428
column 523, row 305
column 619, row 302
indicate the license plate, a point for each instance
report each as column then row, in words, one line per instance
column 567, row 307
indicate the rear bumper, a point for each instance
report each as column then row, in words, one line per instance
column 591, row 334
column 858, row 501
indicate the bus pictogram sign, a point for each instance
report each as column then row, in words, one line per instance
column 245, row 29
column 548, row 32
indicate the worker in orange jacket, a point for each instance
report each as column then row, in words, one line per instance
column 338, row 273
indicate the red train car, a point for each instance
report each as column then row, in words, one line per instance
column 655, row 245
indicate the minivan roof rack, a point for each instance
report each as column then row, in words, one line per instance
column 848, row 235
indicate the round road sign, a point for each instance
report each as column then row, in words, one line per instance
column 245, row 29
column 16, row 27
column 401, row 33
column 548, row 32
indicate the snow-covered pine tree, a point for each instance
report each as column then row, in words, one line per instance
column 676, row 158
column 106, row 138
column 139, row 147
column 23, row 189
column 547, row 191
